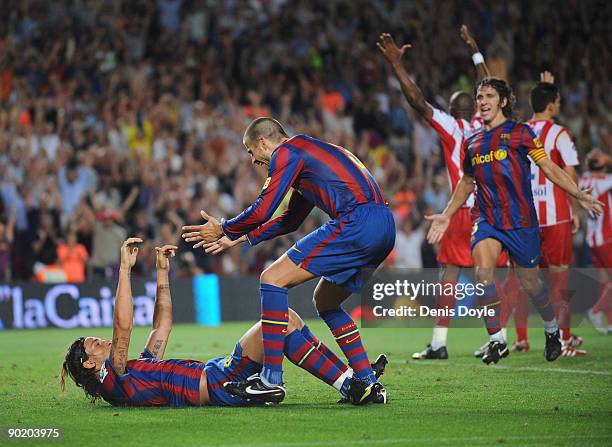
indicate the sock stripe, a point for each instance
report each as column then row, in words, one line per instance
column 312, row 348
column 347, row 334
column 284, row 323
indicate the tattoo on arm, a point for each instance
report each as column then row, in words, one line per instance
column 157, row 346
column 161, row 287
column 119, row 352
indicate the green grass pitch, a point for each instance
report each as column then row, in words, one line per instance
column 523, row 401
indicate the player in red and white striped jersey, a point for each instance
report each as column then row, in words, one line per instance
column 453, row 128
column 557, row 215
column 599, row 236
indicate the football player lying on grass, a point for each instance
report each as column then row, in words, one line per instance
column 102, row 369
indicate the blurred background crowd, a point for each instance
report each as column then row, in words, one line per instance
column 126, row 117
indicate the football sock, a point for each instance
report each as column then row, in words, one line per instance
column 509, row 296
column 498, row 336
column 304, row 354
column 274, row 322
column 521, row 315
column 490, row 299
column 347, row 336
column 439, row 337
column 604, row 300
column 541, row 301
column 444, row 303
column 323, row 348
column 560, row 300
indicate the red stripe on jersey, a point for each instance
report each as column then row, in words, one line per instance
column 166, row 367
column 562, row 203
column 484, row 192
column 363, row 174
column 503, row 195
column 331, row 162
column 311, row 187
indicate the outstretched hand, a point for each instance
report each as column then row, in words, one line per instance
column 208, row 232
column 439, row 224
column 390, row 50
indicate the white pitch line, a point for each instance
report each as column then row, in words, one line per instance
column 424, row 440
column 558, row 370
column 511, row 368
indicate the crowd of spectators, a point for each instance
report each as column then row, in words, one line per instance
column 125, row 117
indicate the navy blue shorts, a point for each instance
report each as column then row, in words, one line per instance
column 344, row 248
column 522, row 244
column 234, row 367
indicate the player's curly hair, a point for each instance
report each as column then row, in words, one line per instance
column 83, row 377
column 504, row 90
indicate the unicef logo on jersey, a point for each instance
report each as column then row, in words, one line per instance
column 494, row 155
column 501, row 154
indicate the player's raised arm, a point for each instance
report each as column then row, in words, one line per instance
column 162, row 315
column 481, row 67
column 440, row 222
column 557, row 175
column 393, row 54
column 123, row 315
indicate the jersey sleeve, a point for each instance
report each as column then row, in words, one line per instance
column 467, row 161
column 444, row 124
column 566, row 147
column 146, row 354
column 297, row 210
column 285, row 166
column 115, row 386
column 532, row 145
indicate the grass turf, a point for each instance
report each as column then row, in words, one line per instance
column 523, row 401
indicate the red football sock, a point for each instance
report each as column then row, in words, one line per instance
column 521, row 315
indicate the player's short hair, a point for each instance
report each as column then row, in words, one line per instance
column 543, row 94
column 83, row 377
column 264, row 127
column 503, row 90
column 461, row 101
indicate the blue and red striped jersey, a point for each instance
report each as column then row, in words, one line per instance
column 497, row 159
column 152, row 382
column 321, row 174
